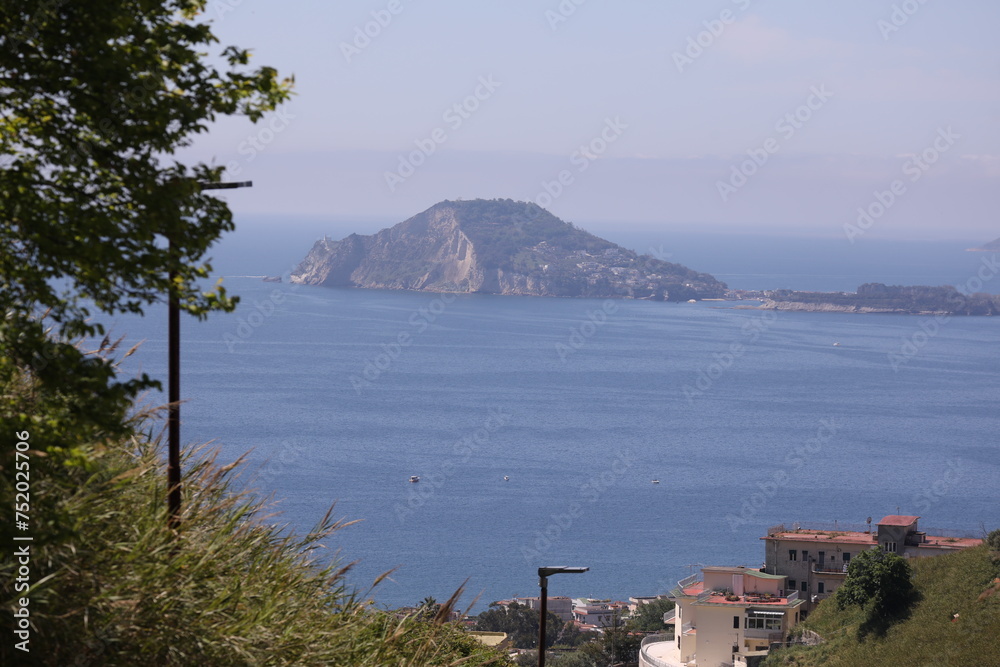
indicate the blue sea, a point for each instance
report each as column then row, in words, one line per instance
column 746, row 418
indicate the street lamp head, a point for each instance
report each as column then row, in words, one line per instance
column 546, row 571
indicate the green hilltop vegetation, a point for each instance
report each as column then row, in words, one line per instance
column 894, row 299
column 112, row 585
column 954, row 620
column 505, row 228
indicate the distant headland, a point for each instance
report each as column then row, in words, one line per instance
column 992, row 246
column 498, row 246
column 879, row 298
column 501, row 246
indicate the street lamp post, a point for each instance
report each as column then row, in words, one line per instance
column 543, row 583
column 174, row 383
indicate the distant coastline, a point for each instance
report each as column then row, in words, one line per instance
column 877, row 298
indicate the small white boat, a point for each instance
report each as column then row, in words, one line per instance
column 656, row 481
column 414, row 479
column 836, row 344
column 506, row 478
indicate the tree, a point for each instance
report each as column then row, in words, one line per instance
column 520, row 622
column 428, row 609
column 993, row 540
column 881, row 583
column 97, row 98
column 616, row 645
column 649, row 617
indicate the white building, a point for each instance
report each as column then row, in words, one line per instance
column 727, row 616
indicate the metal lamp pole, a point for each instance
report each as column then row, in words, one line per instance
column 174, row 382
column 543, row 583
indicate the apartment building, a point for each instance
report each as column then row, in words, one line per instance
column 815, row 561
column 729, row 614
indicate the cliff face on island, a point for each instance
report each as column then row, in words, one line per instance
column 497, row 246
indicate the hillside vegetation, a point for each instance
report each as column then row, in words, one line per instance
column 955, row 621
column 112, row 585
column 897, row 299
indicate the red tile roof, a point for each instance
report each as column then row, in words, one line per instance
column 897, row 520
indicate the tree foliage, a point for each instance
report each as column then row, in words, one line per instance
column 97, row 98
column 649, row 617
column 520, row 622
column 910, row 299
column 882, row 583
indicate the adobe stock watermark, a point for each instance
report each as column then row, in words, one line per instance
column 586, row 329
column 581, row 159
column 291, row 454
column 463, row 450
column 246, row 326
column 562, row 13
column 276, row 123
column 419, row 322
column 899, row 17
column 588, row 493
column 659, row 253
column 714, row 28
column 786, row 127
column 927, row 497
column 794, row 459
column 454, row 116
column 912, row 345
column 365, row 34
column 223, row 7
column 914, row 167
column 721, row 362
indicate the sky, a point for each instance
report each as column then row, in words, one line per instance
column 860, row 119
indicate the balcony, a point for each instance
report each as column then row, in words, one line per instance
column 829, row 568
column 762, row 633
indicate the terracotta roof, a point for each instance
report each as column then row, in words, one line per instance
column 897, row 520
column 821, row 536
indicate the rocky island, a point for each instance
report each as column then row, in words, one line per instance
column 498, row 246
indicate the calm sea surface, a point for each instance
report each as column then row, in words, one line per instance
column 747, row 419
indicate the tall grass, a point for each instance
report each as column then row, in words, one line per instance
column 113, row 586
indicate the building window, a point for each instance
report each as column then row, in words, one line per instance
column 793, row 554
column 822, row 557
column 805, row 556
column 791, row 584
column 820, row 588
column 889, row 547
column 759, row 623
column 805, row 587
column 847, row 557
column 736, row 622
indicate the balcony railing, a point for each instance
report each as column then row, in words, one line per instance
column 688, row 581
column 645, row 658
column 761, row 633
column 830, row 568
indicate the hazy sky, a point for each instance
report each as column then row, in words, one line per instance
column 745, row 115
